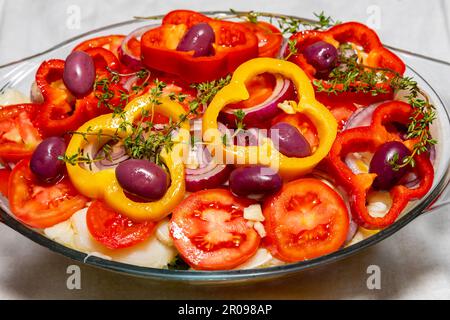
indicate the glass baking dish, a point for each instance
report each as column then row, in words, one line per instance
column 430, row 75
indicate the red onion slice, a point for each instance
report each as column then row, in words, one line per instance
column 208, row 174
column 361, row 117
column 260, row 114
column 36, row 94
column 115, row 156
column 283, row 48
column 352, row 229
column 131, row 81
column 125, row 55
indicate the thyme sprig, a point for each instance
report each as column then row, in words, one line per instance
column 292, row 46
column 144, row 139
column 106, row 95
column 351, row 74
column 289, row 24
column 206, row 91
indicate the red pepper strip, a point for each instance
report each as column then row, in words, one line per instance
column 358, row 34
column 60, row 111
column 103, row 60
column 234, row 44
column 187, row 17
column 269, row 37
column 111, row 43
column 370, row 139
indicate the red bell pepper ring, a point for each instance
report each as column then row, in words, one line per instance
column 234, row 44
column 60, row 111
column 111, row 43
column 369, row 139
column 359, row 34
column 103, row 60
column 270, row 38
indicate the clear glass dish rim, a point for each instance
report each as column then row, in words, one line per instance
column 229, row 275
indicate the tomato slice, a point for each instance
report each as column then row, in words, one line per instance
column 18, row 136
column 269, row 38
column 303, row 124
column 114, row 230
column 111, row 43
column 210, row 232
column 41, row 205
column 341, row 107
column 4, row 177
column 304, row 220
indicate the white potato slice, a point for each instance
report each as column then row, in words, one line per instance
column 61, row 233
column 75, row 234
column 163, row 233
column 150, row 253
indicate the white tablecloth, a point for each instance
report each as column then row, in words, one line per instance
column 414, row 263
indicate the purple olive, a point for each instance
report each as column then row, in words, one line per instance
column 254, row 180
column 289, row 140
column 321, row 55
column 142, row 178
column 387, row 177
column 79, row 73
column 44, row 162
column 199, row 38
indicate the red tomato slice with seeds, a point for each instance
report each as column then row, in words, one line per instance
column 41, row 205
column 114, row 230
column 210, row 232
column 306, row 219
column 18, row 136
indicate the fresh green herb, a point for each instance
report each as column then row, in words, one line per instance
column 84, row 158
column 239, row 123
column 206, row 91
column 292, row 45
column 289, row 24
column 225, row 139
column 250, row 16
column 178, row 264
column 240, row 115
column 141, row 142
column 144, row 140
column 351, row 74
column 325, row 22
column 106, row 95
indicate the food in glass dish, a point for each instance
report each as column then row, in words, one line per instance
column 211, row 144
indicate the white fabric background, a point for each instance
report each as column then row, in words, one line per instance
column 415, row 263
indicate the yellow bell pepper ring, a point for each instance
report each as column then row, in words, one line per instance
column 104, row 185
column 266, row 153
